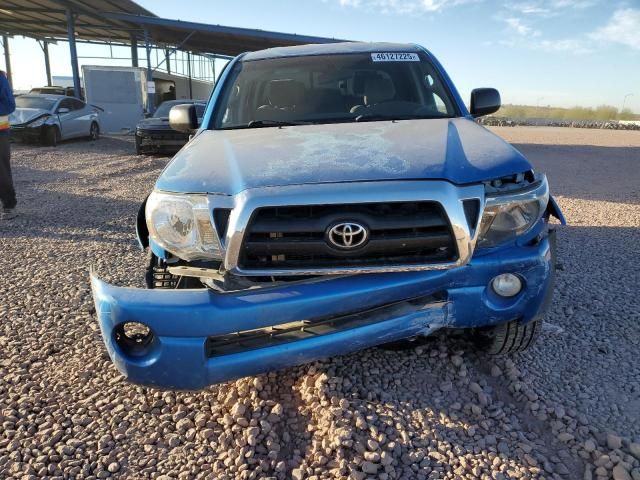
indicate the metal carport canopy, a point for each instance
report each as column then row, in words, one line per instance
column 118, row 21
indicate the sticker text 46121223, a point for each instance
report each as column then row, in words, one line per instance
column 395, row 57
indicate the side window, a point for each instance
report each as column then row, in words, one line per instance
column 436, row 94
column 442, row 108
column 66, row 103
column 77, row 104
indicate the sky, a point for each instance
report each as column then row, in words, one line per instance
column 536, row 52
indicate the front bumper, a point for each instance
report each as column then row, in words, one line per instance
column 182, row 321
column 162, row 139
column 27, row 134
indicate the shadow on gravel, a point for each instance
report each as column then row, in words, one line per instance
column 572, row 169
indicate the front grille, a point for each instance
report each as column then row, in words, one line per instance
column 399, row 233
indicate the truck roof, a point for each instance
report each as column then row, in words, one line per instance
column 330, row 49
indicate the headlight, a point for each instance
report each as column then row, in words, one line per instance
column 510, row 215
column 38, row 123
column 181, row 224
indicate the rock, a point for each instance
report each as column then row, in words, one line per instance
column 589, row 445
column 565, row 437
column 297, row 474
column 446, row 386
column 372, row 457
column 495, row 371
column 184, row 425
column 620, row 473
column 634, row 448
column 614, row 442
column 475, row 388
column 456, row 360
column 588, row 474
column 113, row 467
column 369, row 468
column 238, row 410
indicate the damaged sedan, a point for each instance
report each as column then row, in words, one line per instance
column 49, row 119
column 333, row 198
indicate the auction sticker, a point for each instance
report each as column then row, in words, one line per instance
column 395, row 57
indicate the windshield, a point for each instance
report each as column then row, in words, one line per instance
column 333, row 88
column 41, row 103
column 165, row 107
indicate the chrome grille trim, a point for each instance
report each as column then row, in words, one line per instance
column 450, row 196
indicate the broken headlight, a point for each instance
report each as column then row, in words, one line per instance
column 38, row 122
column 513, row 213
column 181, row 224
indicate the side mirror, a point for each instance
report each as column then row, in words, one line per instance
column 63, row 110
column 484, row 101
column 183, row 118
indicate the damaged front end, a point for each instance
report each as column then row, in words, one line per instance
column 36, row 130
column 206, row 320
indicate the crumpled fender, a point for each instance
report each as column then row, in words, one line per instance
column 553, row 210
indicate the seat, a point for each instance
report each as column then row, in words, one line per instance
column 285, row 94
column 376, row 90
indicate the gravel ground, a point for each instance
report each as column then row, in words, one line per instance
column 569, row 408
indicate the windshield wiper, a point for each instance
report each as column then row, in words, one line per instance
column 274, row 123
column 374, row 117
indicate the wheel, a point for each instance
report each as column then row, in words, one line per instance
column 510, row 337
column 51, row 136
column 139, row 145
column 94, row 131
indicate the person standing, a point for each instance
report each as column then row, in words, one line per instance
column 7, row 190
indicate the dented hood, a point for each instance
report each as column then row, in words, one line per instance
column 24, row 115
column 230, row 161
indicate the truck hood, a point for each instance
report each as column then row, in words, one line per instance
column 230, row 161
column 24, row 115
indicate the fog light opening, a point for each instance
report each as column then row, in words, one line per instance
column 134, row 338
column 506, row 285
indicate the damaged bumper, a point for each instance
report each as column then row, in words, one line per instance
column 200, row 337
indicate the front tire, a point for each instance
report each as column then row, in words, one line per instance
column 94, row 131
column 510, row 337
column 139, row 145
column 51, row 136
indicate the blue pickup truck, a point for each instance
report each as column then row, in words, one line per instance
column 333, row 198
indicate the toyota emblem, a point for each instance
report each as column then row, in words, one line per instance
column 347, row 235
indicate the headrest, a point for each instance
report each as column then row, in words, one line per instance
column 378, row 90
column 285, row 93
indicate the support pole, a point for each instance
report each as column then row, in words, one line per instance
column 189, row 74
column 47, row 63
column 7, row 58
column 134, row 51
column 71, row 34
column 151, row 96
column 167, row 57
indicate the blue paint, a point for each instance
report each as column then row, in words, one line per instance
column 182, row 319
column 229, row 161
